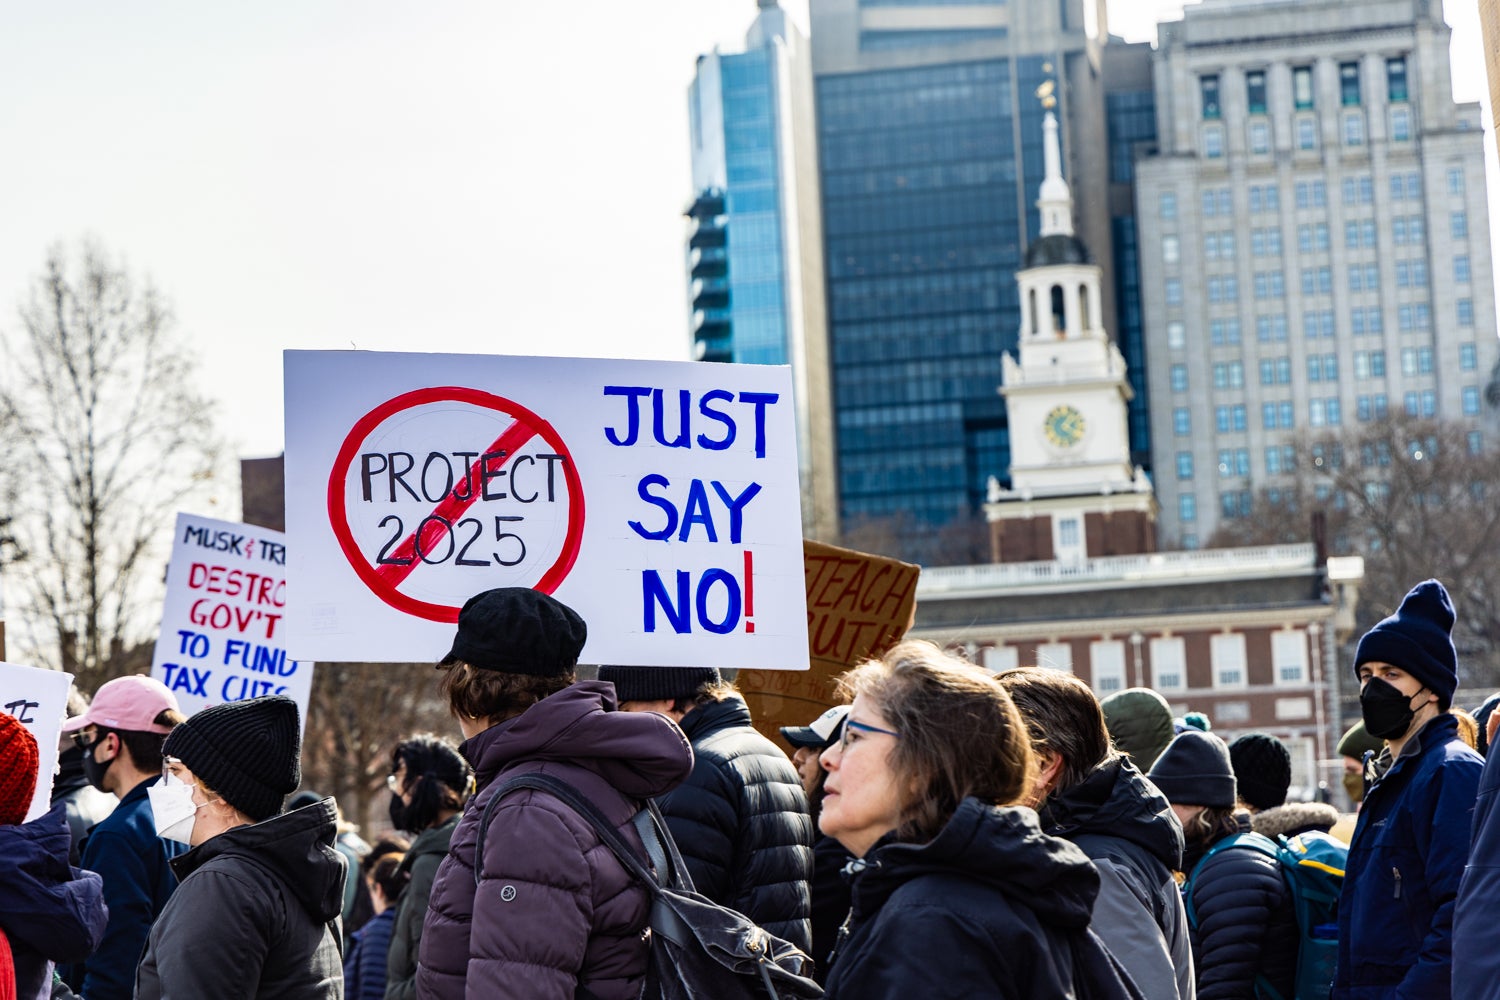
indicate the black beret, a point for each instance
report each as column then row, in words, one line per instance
column 516, row 630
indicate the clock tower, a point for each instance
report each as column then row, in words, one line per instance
column 1074, row 492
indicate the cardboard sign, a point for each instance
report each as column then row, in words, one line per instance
column 39, row 700
column 659, row 500
column 858, row 606
column 223, row 625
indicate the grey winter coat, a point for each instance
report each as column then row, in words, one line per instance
column 421, row 862
column 556, row 913
column 255, row 916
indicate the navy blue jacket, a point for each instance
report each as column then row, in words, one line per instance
column 1405, row 863
column 49, row 911
column 138, row 880
column 364, row 967
column 1476, row 932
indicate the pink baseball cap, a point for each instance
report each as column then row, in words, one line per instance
column 129, row 703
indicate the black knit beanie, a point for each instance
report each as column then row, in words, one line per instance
column 1194, row 770
column 516, row 630
column 1416, row 638
column 248, row 752
column 658, row 683
column 1262, row 769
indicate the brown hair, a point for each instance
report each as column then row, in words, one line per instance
column 960, row 734
column 706, row 695
column 1212, row 824
column 474, row 693
column 1468, row 727
column 1063, row 717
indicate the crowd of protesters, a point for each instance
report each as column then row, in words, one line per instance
column 944, row 832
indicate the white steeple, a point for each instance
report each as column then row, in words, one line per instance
column 1056, row 202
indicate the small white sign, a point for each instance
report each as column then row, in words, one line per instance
column 223, row 627
column 39, row 700
column 659, row 500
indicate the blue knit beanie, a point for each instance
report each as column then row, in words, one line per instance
column 1416, row 638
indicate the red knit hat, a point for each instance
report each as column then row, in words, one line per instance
column 19, row 764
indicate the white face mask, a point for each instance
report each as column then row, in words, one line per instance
column 173, row 809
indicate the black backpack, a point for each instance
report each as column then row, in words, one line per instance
column 699, row 949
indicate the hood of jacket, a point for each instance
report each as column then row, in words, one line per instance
column 1116, row 800
column 297, row 846
column 999, row 846
column 52, row 908
column 1294, row 818
column 641, row 754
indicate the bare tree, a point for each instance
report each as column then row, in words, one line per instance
column 105, row 437
column 1416, row 499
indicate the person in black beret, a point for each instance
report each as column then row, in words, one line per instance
column 554, row 913
column 1411, row 839
column 1241, row 921
column 741, row 819
column 252, row 868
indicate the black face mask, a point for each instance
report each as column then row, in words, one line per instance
column 398, row 813
column 1387, row 712
column 95, row 770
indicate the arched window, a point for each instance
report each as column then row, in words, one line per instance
column 1059, row 313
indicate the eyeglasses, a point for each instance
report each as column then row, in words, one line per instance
column 853, row 731
column 169, row 766
column 81, row 741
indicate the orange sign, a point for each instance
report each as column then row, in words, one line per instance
column 858, row 606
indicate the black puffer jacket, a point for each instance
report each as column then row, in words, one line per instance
column 1128, row 830
column 1244, row 925
column 990, row 907
column 742, row 824
column 253, row 916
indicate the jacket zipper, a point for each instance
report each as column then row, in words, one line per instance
column 1396, row 874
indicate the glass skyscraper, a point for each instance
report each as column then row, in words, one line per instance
column 929, row 133
column 754, row 245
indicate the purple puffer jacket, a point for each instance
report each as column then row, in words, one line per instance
column 556, row 910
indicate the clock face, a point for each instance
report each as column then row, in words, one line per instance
column 1064, row 426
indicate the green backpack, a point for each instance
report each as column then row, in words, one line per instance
column 1312, row 865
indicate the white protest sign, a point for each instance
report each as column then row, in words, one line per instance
column 223, row 624
column 659, row 500
column 39, row 701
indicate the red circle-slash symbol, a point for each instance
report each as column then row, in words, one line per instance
column 385, row 580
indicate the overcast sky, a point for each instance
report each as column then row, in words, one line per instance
column 463, row 175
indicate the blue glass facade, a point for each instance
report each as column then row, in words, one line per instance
column 926, row 206
column 1130, row 118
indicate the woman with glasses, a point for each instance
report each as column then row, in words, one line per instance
column 956, row 891
column 256, row 910
column 429, row 782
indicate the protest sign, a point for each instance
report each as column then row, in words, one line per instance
column 858, row 606
column 39, row 701
column 223, row 625
column 659, row 500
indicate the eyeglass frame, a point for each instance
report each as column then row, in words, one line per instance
column 863, row 728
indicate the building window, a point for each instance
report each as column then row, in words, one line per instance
column 1168, row 205
column 1270, row 328
column 1107, row 659
column 1348, row 84
column 1179, row 378
column 1302, row 87
column 1465, row 312
column 998, row 659
column 1224, row 331
column 1208, row 88
column 1455, row 181
column 1055, row 656
column 1174, row 292
column 1289, row 656
column 1468, row 357
column 1184, row 465
column 1168, row 664
column 1400, row 124
column 1182, row 423
column 1307, row 133
column 1476, row 442
column 1213, row 141
column 1471, row 401
column 1458, row 225
column 1227, row 653
column 1255, row 91
column 1461, row 269
column 1354, row 129
column 1260, row 137
column 1187, row 507
column 1170, row 252
column 1395, row 80
column 1176, row 335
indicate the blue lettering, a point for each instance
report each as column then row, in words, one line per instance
column 632, row 394
column 721, row 417
column 731, row 612
column 655, row 593
column 666, row 505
